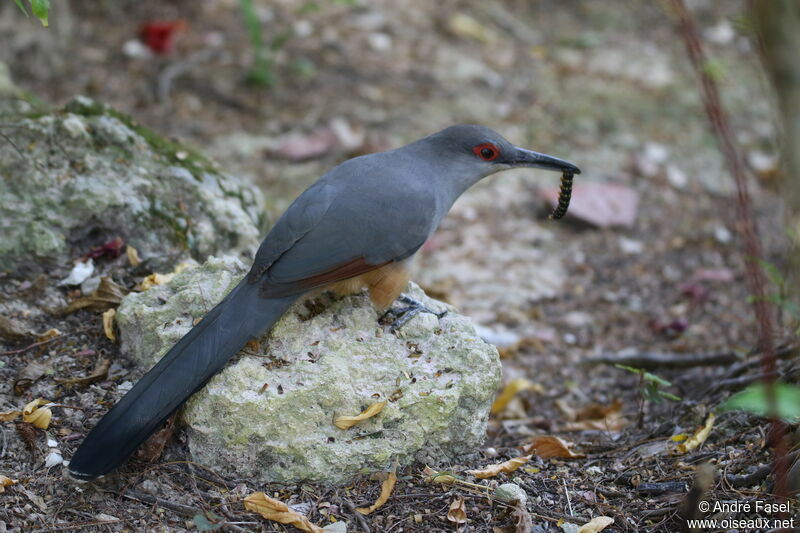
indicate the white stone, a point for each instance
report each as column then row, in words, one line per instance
column 276, row 424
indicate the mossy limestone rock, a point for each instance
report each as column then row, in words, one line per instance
column 269, row 415
column 79, row 177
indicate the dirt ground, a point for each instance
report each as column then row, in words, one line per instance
column 604, row 84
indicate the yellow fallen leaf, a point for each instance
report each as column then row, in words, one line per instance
column 680, row 437
column 133, row 256
column 598, row 523
column 161, row 279
column 39, row 416
column 345, row 422
column 11, row 415
column 699, row 437
column 278, row 511
column 514, row 387
column 155, row 279
column 49, row 334
column 386, row 490
column 108, row 324
column 457, row 512
column 493, row 470
column 548, row 446
column 6, row 482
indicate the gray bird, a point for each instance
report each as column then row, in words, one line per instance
column 357, row 227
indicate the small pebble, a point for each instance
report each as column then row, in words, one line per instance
column 510, row 493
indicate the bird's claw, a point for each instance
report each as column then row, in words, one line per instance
column 400, row 316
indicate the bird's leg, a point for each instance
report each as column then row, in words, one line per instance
column 402, row 315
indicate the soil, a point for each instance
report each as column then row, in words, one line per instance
column 605, row 85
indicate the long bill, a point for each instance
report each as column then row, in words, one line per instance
column 529, row 158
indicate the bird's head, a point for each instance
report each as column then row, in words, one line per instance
column 475, row 152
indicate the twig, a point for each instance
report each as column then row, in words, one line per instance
column 362, row 522
column 51, row 339
column 737, row 382
column 649, row 361
column 177, row 69
column 179, row 508
column 751, row 245
column 34, row 345
column 566, row 493
column 14, row 146
column 758, row 474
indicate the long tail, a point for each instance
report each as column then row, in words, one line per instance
column 200, row 354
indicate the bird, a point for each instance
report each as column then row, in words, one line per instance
column 357, row 227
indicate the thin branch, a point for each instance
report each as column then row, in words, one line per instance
column 753, row 255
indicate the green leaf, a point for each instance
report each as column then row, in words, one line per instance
column 652, row 378
column 754, row 400
column 40, row 9
column 670, row 396
column 21, row 7
column 630, row 369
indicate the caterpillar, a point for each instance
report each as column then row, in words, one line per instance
column 564, row 195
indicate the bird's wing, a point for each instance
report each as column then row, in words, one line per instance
column 335, row 231
column 300, row 218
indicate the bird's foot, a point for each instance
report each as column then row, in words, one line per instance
column 398, row 317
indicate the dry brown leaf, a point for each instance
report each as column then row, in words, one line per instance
column 457, row 513
column 99, row 372
column 524, row 522
column 599, row 417
column 11, row 330
column 34, row 413
column 278, row 511
column 345, row 422
column 699, row 436
column 133, row 256
column 6, row 482
column 28, row 375
column 386, row 490
column 513, row 388
column 107, row 295
column 108, row 324
column 549, row 446
column 11, row 415
column 598, row 523
column 151, row 449
column 507, row 467
column 28, row 434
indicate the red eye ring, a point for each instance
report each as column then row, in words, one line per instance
column 486, row 151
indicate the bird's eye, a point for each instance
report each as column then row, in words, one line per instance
column 486, row 151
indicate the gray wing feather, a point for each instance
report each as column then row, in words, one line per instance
column 365, row 211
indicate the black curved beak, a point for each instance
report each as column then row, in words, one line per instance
column 529, row 158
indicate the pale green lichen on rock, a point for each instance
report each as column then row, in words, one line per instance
column 269, row 415
column 75, row 178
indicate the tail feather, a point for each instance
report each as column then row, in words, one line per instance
column 200, row 354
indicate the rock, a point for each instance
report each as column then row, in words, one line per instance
column 511, row 493
column 269, row 415
column 88, row 174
